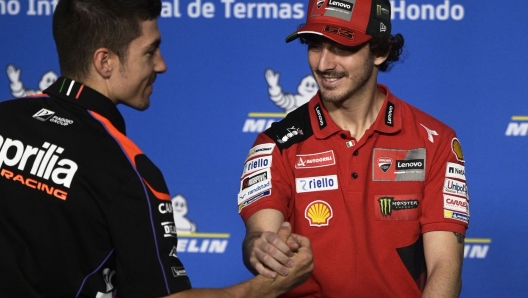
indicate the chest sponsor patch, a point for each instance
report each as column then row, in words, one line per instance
column 318, row 213
column 455, row 187
column 257, row 164
column 454, row 170
column 315, row 160
column 262, row 149
column 318, row 183
column 398, row 164
column 397, row 207
column 457, row 204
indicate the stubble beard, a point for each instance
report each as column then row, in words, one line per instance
column 354, row 87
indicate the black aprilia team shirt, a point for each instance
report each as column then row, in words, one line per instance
column 83, row 211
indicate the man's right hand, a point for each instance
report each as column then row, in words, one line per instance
column 302, row 259
column 267, row 252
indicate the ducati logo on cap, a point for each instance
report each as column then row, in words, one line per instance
column 320, row 3
column 384, row 163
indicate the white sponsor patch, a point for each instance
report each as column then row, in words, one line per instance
column 455, row 170
column 261, row 149
column 250, row 200
column 253, row 184
column 257, row 164
column 318, row 183
column 316, row 160
column 456, row 204
column 455, row 187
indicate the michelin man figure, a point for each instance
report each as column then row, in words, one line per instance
column 17, row 87
column 179, row 210
column 289, row 102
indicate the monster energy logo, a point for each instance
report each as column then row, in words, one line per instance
column 388, row 204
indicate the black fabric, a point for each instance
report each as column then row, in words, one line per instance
column 76, row 218
column 298, row 122
column 413, row 258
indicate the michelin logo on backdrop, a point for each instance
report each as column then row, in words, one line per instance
column 307, row 88
column 17, row 86
column 518, row 127
column 189, row 240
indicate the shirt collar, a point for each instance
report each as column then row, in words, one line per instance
column 388, row 119
column 85, row 96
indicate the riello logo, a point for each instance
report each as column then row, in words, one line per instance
column 43, row 163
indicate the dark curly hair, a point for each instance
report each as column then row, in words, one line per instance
column 380, row 46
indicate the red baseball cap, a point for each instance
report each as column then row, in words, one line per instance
column 348, row 22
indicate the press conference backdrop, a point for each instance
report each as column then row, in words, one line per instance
column 464, row 63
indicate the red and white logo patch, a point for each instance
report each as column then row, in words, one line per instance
column 316, row 160
column 384, row 163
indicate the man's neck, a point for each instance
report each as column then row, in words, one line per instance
column 357, row 113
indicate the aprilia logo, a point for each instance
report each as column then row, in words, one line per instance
column 44, row 161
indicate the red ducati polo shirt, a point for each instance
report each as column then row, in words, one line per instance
column 364, row 204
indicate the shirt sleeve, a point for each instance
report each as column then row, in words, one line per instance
column 265, row 181
column 446, row 200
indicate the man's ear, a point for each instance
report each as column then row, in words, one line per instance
column 379, row 59
column 104, row 62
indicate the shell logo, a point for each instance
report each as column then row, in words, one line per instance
column 318, row 213
column 457, row 149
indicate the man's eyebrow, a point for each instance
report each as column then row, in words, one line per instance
column 155, row 44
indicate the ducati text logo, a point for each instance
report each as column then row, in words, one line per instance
column 318, row 213
column 384, row 163
column 315, row 160
column 388, row 204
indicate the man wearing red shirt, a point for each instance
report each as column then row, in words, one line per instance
column 377, row 185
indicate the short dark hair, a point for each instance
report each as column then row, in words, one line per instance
column 82, row 26
column 382, row 45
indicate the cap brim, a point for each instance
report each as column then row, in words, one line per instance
column 346, row 37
